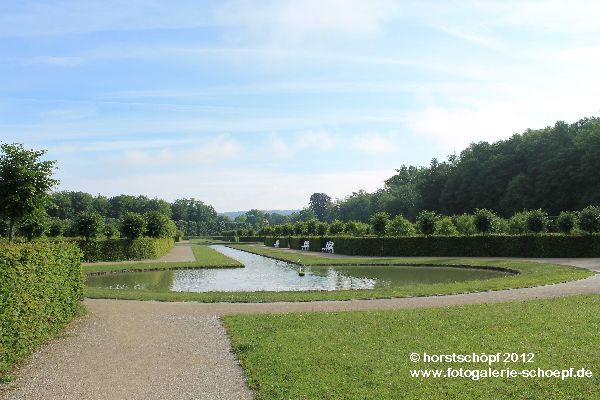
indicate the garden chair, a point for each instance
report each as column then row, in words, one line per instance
column 276, row 243
column 305, row 246
column 328, row 247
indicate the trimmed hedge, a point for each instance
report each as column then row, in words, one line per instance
column 251, row 239
column 283, row 241
column 41, row 287
column 548, row 245
column 145, row 248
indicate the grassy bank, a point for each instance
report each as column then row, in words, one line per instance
column 360, row 355
column 205, row 258
column 530, row 274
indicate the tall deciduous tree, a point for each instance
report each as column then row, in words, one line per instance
column 319, row 203
column 25, row 182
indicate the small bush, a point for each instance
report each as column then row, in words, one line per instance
column 566, row 222
column 336, row 227
column 300, row 228
column 426, row 222
column 133, row 225
column 311, row 226
column 159, row 225
column 517, row 224
column 89, row 224
column 379, row 222
column 322, row 228
column 537, row 221
column 589, row 219
column 484, row 220
column 400, row 226
column 465, row 224
column 445, row 227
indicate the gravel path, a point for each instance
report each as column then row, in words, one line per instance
column 151, row 350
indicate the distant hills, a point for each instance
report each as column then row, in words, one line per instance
column 234, row 214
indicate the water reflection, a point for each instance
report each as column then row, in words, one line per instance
column 266, row 274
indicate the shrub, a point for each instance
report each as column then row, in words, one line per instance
column 336, row 227
column 33, row 225
column 57, row 227
column 464, row 224
column 400, row 226
column 589, row 219
column 111, row 231
column 484, row 220
column 133, row 225
column 445, row 227
column 267, row 230
column 517, row 224
column 356, row 228
column 426, row 222
column 379, row 222
column 124, row 249
column 89, row 224
column 537, row 221
column 300, row 228
column 311, row 226
column 322, row 228
column 41, row 287
column 566, row 222
column 159, row 225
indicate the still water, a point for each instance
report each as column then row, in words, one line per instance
column 266, row 274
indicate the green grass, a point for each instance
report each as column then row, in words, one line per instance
column 365, row 355
column 205, row 258
column 530, row 274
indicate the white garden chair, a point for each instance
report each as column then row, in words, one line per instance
column 328, row 247
column 276, row 243
column 305, row 246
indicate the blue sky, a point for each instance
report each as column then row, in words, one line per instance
column 258, row 104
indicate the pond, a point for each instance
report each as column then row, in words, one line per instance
column 265, row 274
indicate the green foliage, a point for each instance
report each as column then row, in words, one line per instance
column 111, row 231
column 566, row 222
column 41, row 287
column 400, row 226
column 517, row 224
column 159, row 225
column 465, row 224
column 133, row 225
column 445, row 227
column 89, row 224
column 336, row 227
column 589, row 219
column 322, row 228
column 144, row 248
column 300, row 228
column 537, row 221
column 25, row 181
column 426, row 221
column 379, row 222
column 57, row 227
column 484, row 220
column 319, row 202
column 311, row 226
column 356, row 228
column 33, row 225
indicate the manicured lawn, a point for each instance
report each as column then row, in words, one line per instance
column 205, row 258
column 530, row 274
column 365, row 355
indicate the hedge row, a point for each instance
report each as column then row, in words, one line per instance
column 145, row 248
column 41, row 287
column 251, row 239
column 457, row 246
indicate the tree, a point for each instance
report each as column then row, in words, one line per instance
column 537, row 221
column 589, row 219
column 133, row 225
column 400, row 226
column 319, row 202
column 465, row 224
column 33, row 225
column 111, row 231
column 322, row 228
column 484, row 220
column 445, row 227
column 89, row 224
column 159, row 225
column 566, row 222
column 25, row 183
column 57, row 227
column 311, row 226
column 336, row 227
column 379, row 222
column 426, row 222
column 300, row 228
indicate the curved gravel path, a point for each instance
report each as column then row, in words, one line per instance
column 150, row 350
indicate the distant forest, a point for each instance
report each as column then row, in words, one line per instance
column 556, row 169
